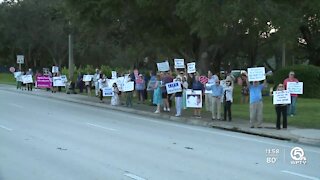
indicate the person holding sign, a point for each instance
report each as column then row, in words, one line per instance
column 216, row 93
column 115, row 101
column 291, row 107
column 29, row 85
column 197, row 86
column 281, row 109
column 227, row 99
column 102, row 83
column 256, row 104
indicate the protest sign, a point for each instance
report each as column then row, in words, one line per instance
column 164, row 66
column 203, row 79
column 119, row 82
column 107, row 91
column 43, row 82
column 281, row 97
column 223, row 83
column 191, row 67
column 208, row 91
column 20, row 59
column 173, row 87
column 179, row 63
column 110, row 82
column 151, row 85
column 57, row 81
column 27, row 79
column 194, row 99
column 17, row 74
column 64, row 78
column 55, row 69
column 256, row 74
column 128, row 86
column 295, row 87
column 87, row 78
column 113, row 74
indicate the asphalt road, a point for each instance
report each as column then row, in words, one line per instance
column 44, row 139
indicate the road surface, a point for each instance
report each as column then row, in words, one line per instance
column 43, row 138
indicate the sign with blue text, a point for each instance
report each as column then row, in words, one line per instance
column 295, row 87
column 107, row 91
column 173, row 87
column 281, row 97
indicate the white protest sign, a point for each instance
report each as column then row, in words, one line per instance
column 107, row 91
column 111, row 82
column 17, row 74
column 55, row 69
column 281, row 97
column 223, row 83
column 208, row 91
column 194, row 98
column 114, row 74
column 128, row 86
column 295, row 87
column 119, row 82
column 20, row 59
column 27, row 79
column 164, row 66
column 87, row 78
column 64, row 78
column 256, row 74
column 57, row 81
column 178, row 63
column 173, row 87
column 191, row 67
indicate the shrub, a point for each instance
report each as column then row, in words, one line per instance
column 308, row 74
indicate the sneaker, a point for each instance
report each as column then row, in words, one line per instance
column 168, row 109
column 177, row 115
column 291, row 115
column 157, row 112
column 198, row 117
column 252, row 127
column 164, row 109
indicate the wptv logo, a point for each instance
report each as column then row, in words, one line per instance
column 298, row 156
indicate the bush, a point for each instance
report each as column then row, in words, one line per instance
column 308, row 74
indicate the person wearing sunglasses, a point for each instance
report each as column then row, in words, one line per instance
column 281, row 109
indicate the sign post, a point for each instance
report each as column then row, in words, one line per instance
column 20, row 60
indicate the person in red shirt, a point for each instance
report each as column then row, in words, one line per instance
column 292, row 106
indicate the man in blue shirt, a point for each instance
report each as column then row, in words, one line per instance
column 217, row 92
column 256, row 104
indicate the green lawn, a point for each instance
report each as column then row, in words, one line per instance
column 7, row 78
column 308, row 110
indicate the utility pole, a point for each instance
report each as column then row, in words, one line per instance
column 283, row 54
column 71, row 62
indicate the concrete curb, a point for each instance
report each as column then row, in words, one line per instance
column 190, row 121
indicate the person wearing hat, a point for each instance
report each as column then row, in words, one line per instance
column 292, row 106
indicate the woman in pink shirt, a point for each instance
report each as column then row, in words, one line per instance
column 292, row 106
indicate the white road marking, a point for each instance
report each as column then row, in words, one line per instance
column 16, row 105
column 132, row 176
column 102, row 127
column 301, row 175
column 223, row 134
column 6, row 128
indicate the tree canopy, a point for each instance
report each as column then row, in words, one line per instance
column 214, row 33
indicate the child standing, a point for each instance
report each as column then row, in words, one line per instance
column 115, row 101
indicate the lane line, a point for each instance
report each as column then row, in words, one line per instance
column 16, row 105
column 132, row 176
column 300, row 175
column 222, row 134
column 6, row 128
column 102, row 127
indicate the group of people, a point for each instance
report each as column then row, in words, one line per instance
column 215, row 94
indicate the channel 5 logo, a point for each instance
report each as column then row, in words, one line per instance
column 298, row 156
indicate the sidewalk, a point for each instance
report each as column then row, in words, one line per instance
column 305, row 136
